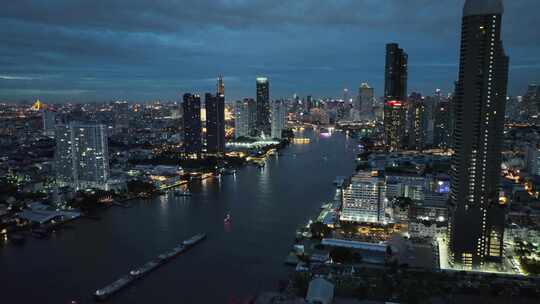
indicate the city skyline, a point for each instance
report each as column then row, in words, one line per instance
column 94, row 55
column 265, row 178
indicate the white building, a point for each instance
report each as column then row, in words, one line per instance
column 245, row 117
column 365, row 199
column 279, row 113
column 81, row 156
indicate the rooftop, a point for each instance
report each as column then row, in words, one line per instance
column 483, row 7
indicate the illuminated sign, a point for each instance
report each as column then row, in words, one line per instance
column 394, row 103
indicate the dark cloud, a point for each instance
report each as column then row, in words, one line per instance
column 140, row 49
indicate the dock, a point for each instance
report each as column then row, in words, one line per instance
column 138, row 273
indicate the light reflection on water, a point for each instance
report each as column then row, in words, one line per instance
column 239, row 258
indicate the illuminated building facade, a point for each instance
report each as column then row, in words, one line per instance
column 263, row 106
column 442, row 130
column 215, row 123
column 192, row 124
column 364, row 200
column 81, row 155
column 395, row 93
column 417, row 128
column 279, row 112
column 476, row 228
column 220, row 86
column 245, row 115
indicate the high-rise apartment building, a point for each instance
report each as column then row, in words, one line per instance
column 476, row 228
column 279, row 113
column 48, row 118
column 82, row 156
column 263, row 106
column 215, row 123
column 245, row 118
column 395, row 95
column 442, row 125
column 192, row 124
column 417, row 127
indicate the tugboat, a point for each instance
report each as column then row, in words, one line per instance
column 227, row 218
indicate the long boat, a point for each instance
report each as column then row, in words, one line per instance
column 137, row 273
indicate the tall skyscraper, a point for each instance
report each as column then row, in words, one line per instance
column 82, row 156
column 364, row 200
column 220, row 86
column 442, row 125
column 192, row 124
column 365, row 98
column 279, row 113
column 245, row 118
column 263, row 106
column 63, row 155
column 417, row 122
column 215, row 123
column 476, row 229
column 395, row 95
column 309, row 103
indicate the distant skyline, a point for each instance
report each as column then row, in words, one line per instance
column 80, row 50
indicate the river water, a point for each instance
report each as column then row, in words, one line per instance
column 234, row 263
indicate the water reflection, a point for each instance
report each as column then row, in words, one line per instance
column 266, row 206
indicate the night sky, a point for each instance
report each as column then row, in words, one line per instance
column 141, row 50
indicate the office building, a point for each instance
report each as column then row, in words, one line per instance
column 279, row 113
column 364, row 200
column 63, row 155
column 215, row 123
column 192, row 124
column 263, row 107
column 476, row 228
column 395, row 93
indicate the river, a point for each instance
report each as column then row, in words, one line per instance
column 234, row 263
